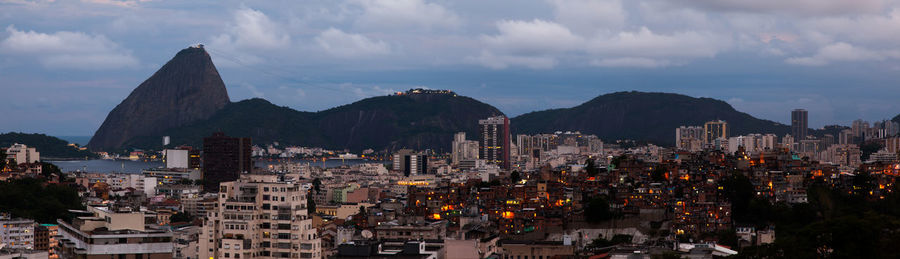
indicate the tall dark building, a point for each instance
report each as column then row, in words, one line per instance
column 494, row 146
column 224, row 159
column 799, row 124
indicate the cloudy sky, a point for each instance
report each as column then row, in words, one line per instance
column 65, row 64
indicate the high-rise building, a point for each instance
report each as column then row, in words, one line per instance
column 224, row 159
column 714, row 130
column 689, row 138
column 859, row 128
column 845, row 137
column 176, row 158
column 768, row 142
column 463, row 149
column 495, row 140
column 260, row 216
column 799, row 124
column 410, row 162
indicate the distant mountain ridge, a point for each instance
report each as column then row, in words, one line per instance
column 186, row 89
column 383, row 122
column 187, row 100
column 645, row 116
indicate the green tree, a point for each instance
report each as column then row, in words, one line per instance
column 659, row 174
column 2, row 158
column 317, row 185
column 34, row 198
column 182, row 217
column 597, row 210
column 310, row 204
column 591, row 168
column 514, row 177
column 49, row 169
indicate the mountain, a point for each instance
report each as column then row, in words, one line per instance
column 412, row 120
column 49, row 147
column 645, row 116
column 185, row 90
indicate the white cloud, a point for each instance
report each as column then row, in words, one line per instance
column 533, row 37
column 589, row 16
column 394, row 14
column 631, row 62
column 838, row 52
column 120, row 3
column 348, row 45
column 494, row 61
column 540, row 44
column 800, row 7
column 253, row 29
column 533, row 44
column 65, row 49
column 646, row 43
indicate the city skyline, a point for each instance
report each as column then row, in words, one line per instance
column 764, row 58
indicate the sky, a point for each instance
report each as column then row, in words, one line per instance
column 65, row 64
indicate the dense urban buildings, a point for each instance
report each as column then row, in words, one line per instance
column 224, row 159
column 565, row 194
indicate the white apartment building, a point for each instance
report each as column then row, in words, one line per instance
column 23, row 154
column 260, row 216
column 16, row 233
column 102, row 232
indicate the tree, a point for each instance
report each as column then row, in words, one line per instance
column 182, row 217
column 597, row 210
column 514, row 177
column 659, row 174
column 310, row 204
column 317, row 185
column 591, row 168
column 2, row 158
column 48, row 169
column 33, row 198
